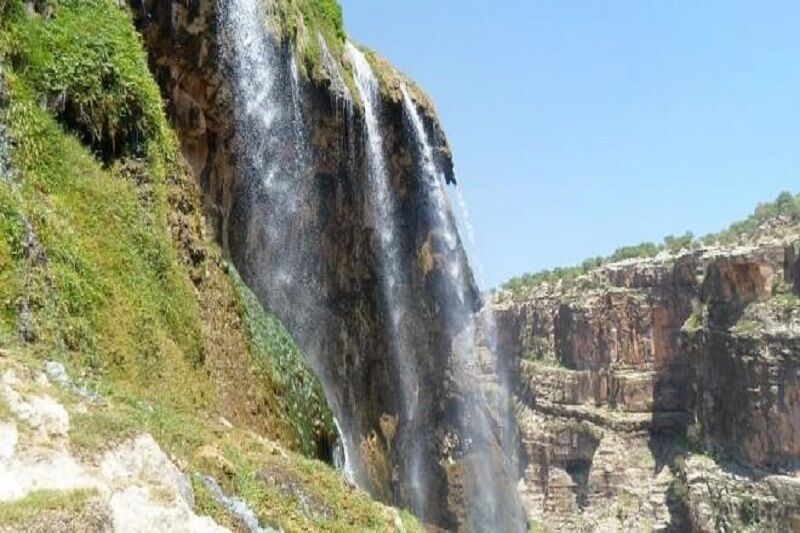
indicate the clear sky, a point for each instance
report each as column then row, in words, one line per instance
column 581, row 126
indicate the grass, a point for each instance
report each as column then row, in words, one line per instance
column 237, row 458
column 21, row 512
column 748, row 512
column 535, row 526
column 87, row 62
column 111, row 291
column 747, row 326
column 696, row 321
column 277, row 354
column 302, row 21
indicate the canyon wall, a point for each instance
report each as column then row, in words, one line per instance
column 662, row 394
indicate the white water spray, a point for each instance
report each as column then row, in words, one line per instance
column 385, row 216
column 476, row 346
column 396, row 297
column 274, row 163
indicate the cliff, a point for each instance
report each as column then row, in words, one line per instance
column 662, row 393
column 138, row 372
column 292, row 191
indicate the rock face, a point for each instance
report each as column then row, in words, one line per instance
column 633, row 377
column 132, row 487
column 332, row 299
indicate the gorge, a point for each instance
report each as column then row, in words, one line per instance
column 230, row 261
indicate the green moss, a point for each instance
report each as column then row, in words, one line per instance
column 274, row 350
column 21, row 512
column 302, row 21
column 107, row 290
column 747, row 326
column 695, row 322
column 298, row 494
column 534, row 526
column 87, row 62
column 748, row 512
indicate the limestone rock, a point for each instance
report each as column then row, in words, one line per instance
column 625, row 370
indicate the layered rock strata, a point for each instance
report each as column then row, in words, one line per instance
column 662, row 394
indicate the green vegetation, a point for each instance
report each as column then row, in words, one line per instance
column 106, row 286
column 696, row 320
column 748, row 512
column 747, row 326
column 783, row 298
column 21, row 512
column 89, row 250
column 303, row 21
column 535, row 526
column 285, row 489
column 88, row 64
column 786, row 206
column 277, row 355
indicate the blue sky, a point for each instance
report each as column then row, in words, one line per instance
column 581, row 126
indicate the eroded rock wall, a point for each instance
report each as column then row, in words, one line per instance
column 662, row 394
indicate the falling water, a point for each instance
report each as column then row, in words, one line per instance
column 476, row 346
column 341, row 454
column 276, row 200
column 236, row 507
column 276, row 189
column 396, row 295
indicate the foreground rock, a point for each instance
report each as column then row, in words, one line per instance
column 662, row 394
column 134, row 487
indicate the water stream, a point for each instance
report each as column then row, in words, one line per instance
column 475, row 347
column 395, row 286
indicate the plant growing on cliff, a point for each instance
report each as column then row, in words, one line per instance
column 786, row 206
column 748, row 512
column 21, row 512
column 87, row 62
column 276, row 353
column 93, row 254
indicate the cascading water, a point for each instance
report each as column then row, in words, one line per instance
column 274, row 160
column 235, row 507
column 396, row 295
column 359, row 256
column 475, row 347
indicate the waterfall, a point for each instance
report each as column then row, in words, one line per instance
column 329, row 234
column 396, row 294
column 475, row 347
column 276, row 249
column 341, row 454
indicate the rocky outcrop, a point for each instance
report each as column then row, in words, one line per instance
column 628, row 375
column 133, row 487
